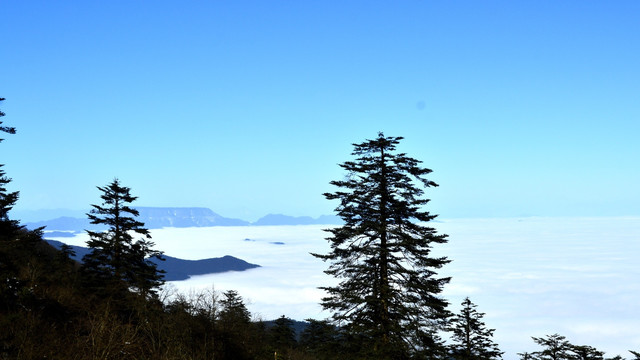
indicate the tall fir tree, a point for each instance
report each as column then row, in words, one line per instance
column 389, row 290
column 9, row 233
column 26, row 272
column 471, row 339
column 7, row 199
column 117, row 260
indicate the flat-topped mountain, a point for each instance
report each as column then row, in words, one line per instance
column 158, row 217
column 152, row 217
column 180, row 217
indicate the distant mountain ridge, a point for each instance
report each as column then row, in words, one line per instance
column 279, row 219
column 158, row 217
column 180, row 217
column 65, row 223
column 180, row 269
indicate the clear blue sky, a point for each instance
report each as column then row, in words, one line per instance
column 247, row 107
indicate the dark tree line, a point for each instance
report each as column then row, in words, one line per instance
column 387, row 304
column 557, row 347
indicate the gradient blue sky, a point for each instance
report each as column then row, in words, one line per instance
column 246, row 107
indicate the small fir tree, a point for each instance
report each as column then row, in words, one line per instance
column 234, row 312
column 322, row 340
column 556, row 347
column 472, row 340
column 586, row 352
column 282, row 337
column 389, row 290
column 526, row 356
column 116, row 259
column 235, row 326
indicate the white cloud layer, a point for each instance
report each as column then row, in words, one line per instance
column 532, row 276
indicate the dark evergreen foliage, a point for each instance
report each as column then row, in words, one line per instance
column 586, row 352
column 6, row 129
column 322, row 340
column 11, row 235
column 282, row 337
column 471, row 339
column 117, row 260
column 8, row 272
column 7, row 199
column 233, row 311
column 35, row 281
column 526, row 356
column 238, row 333
column 556, row 347
column 389, row 289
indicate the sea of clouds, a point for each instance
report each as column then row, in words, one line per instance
column 579, row 277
